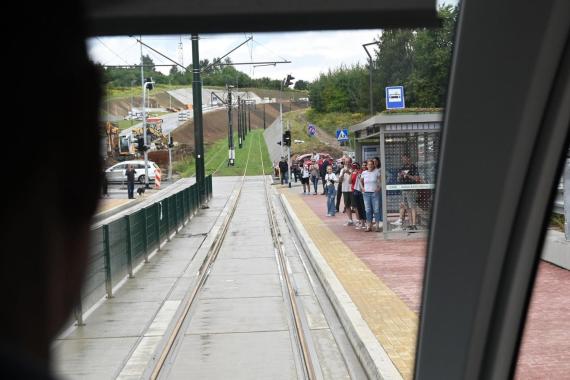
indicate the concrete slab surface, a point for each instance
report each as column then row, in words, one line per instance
column 254, row 355
column 91, row 358
column 238, row 315
column 240, row 286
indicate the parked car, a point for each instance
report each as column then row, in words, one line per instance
column 116, row 173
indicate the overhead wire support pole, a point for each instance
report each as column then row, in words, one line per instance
column 370, row 74
column 239, row 122
column 231, row 148
column 145, row 153
column 198, row 122
column 243, row 121
column 289, row 152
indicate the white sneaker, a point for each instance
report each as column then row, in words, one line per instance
column 380, row 225
column 349, row 223
column 397, row 222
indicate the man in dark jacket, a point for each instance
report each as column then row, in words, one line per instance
column 283, row 169
column 130, row 173
column 323, row 173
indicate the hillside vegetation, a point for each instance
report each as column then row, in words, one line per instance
column 323, row 142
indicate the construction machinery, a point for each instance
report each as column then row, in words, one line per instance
column 129, row 138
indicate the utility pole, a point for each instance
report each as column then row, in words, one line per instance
column 132, row 100
column 244, row 119
column 198, row 126
column 232, row 152
column 566, row 197
column 370, row 74
column 249, row 117
column 169, row 158
column 289, row 159
column 146, row 183
column 240, row 142
column 281, row 118
column 264, row 116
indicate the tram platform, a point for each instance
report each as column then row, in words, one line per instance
column 377, row 285
column 214, row 303
column 121, row 334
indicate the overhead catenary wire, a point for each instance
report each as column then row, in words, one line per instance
column 111, row 50
column 159, row 53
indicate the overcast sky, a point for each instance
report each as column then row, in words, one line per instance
column 310, row 53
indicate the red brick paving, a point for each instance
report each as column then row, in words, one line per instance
column 545, row 351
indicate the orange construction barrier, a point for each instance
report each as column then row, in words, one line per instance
column 157, row 178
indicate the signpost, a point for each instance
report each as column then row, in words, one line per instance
column 312, row 130
column 342, row 135
column 395, row 98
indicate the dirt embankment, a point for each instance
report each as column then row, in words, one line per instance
column 121, row 107
column 216, row 123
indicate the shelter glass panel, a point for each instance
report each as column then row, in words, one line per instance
column 410, row 170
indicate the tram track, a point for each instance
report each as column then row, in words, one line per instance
column 289, row 293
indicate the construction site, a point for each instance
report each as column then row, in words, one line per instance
column 174, row 125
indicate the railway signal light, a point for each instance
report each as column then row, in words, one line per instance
column 287, row 138
column 288, row 80
column 149, row 83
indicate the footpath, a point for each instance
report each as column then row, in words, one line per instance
column 381, row 283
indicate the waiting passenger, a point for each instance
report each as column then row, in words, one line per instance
column 358, row 200
column 305, row 174
column 330, row 187
column 314, row 169
column 409, row 175
column 370, row 181
column 345, row 179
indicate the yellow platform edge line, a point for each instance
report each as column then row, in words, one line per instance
column 392, row 322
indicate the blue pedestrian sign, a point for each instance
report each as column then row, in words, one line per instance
column 312, row 130
column 342, row 135
column 395, row 97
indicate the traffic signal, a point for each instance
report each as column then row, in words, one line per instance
column 149, row 86
column 287, row 138
column 171, row 142
column 288, row 81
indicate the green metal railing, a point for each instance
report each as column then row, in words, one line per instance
column 118, row 247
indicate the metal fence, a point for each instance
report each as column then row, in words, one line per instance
column 118, row 247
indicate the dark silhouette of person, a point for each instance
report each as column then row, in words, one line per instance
column 46, row 222
column 130, row 173
column 104, row 185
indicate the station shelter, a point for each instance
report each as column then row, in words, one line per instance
column 390, row 137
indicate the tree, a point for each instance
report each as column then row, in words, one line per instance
column 394, row 59
column 432, row 61
column 148, row 63
column 301, row 85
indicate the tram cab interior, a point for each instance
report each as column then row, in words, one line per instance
column 503, row 142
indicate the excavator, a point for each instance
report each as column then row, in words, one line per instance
column 129, row 138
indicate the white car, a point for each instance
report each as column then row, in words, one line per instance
column 116, row 173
